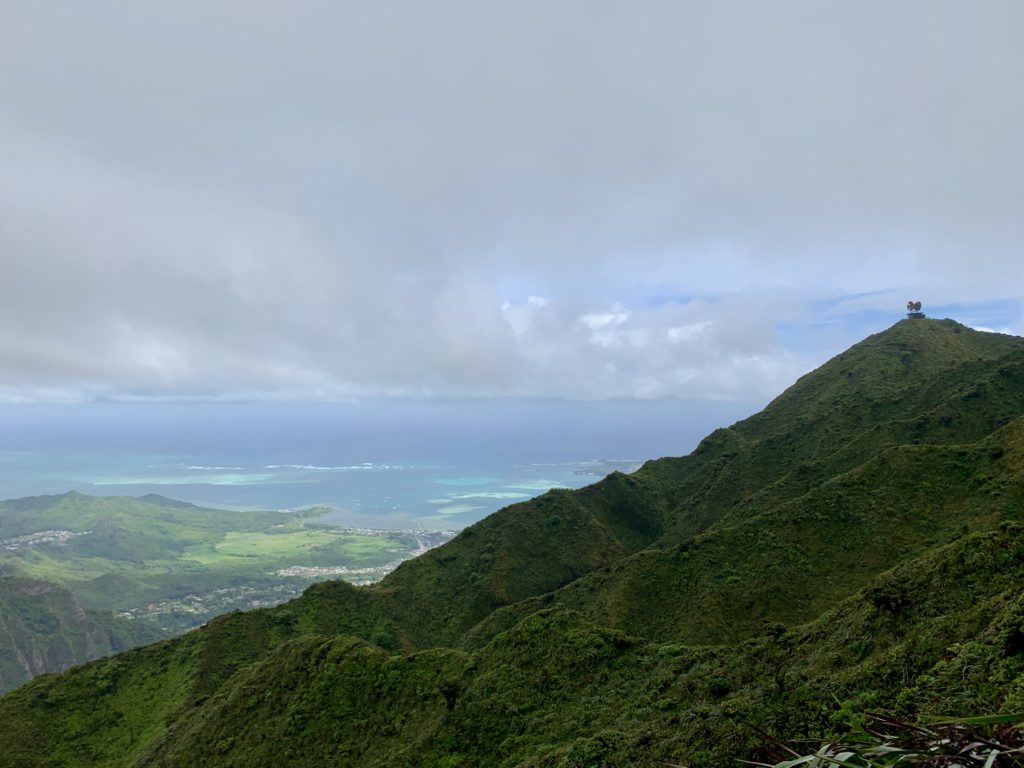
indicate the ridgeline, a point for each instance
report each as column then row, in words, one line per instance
column 856, row 544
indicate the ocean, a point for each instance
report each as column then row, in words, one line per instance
column 405, row 464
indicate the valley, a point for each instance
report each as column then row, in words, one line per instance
column 154, row 567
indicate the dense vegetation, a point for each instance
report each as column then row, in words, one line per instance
column 855, row 546
column 43, row 628
column 82, row 577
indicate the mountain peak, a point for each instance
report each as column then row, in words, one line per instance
column 908, row 355
column 925, row 330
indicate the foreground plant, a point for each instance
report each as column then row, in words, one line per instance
column 879, row 741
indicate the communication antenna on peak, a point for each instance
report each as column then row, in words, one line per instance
column 914, row 310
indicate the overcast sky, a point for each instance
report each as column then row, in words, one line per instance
column 579, row 200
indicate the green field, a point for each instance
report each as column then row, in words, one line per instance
column 315, row 544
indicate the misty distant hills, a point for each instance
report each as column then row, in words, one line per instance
column 856, row 543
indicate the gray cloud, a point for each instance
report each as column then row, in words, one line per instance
column 344, row 199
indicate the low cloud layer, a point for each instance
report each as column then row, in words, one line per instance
column 568, row 199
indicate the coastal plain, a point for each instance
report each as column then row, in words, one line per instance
column 122, row 571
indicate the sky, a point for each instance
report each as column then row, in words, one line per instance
column 568, row 200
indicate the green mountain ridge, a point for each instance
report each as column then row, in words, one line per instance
column 556, row 689
column 856, row 540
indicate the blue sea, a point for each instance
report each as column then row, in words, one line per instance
column 422, row 464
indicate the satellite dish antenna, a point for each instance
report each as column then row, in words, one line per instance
column 910, row 306
column 917, row 306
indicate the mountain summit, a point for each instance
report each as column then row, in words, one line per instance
column 855, row 541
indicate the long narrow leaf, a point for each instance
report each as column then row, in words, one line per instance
column 1015, row 717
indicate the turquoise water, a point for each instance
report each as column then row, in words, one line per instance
column 385, row 465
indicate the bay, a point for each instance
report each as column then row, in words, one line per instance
column 382, row 464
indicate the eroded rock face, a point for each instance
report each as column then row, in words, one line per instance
column 44, row 629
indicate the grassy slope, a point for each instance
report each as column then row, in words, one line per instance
column 909, row 384
column 523, row 550
column 776, row 488
column 940, row 634
column 790, row 563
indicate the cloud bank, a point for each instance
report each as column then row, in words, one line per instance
column 454, row 199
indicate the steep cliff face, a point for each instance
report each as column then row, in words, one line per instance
column 855, row 540
column 44, row 629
